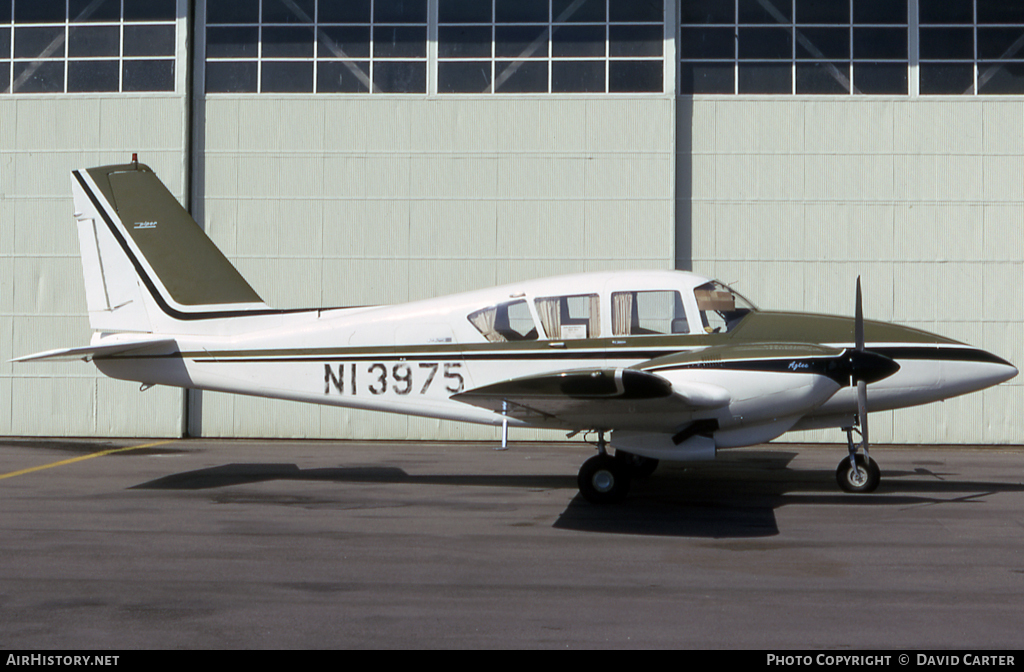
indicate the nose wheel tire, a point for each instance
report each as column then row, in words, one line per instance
column 864, row 479
column 604, row 480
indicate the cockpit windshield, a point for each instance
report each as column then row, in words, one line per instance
column 721, row 308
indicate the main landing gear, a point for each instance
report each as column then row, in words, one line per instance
column 857, row 472
column 604, row 479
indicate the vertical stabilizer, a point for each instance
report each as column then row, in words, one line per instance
column 145, row 259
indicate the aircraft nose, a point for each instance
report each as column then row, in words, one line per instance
column 976, row 369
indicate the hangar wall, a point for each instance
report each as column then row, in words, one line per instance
column 791, row 198
column 348, row 199
column 387, row 200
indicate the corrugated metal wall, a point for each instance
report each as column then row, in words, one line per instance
column 791, row 199
column 326, row 200
column 42, row 297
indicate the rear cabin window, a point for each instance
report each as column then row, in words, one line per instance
column 568, row 317
column 721, row 309
column 509, row 321
column 648, row 312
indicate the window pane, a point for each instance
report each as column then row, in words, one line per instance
column 703, row 43
column 400, row 11
column 349, row 11
column 5, row 42
column 707, row 11
column 764, row 11
column 946, row 78
column 94, row 41
column 817, row 43
column 39, row 11
column 521, row 11
column 880, row 78
column 522, row 77
column 344, row 42
column 399, row 77
column 765, row 43
column 631, row 10
column 5, row 75
column 288, row 11
column 639, row 76
column 871, row 43
column 947, row 43
column 463, row 11
column 464, row 42
column 577, row 76
column 148, row 40
column 236, row 11
column 635, row 40
column 39, row 77
column 577, row 41
column 149, row 10
column 281, row 42
column 765, row 78
column 399, row 42
column 93, row 75
column 576, row 11
column 947, row 11
column 342, row 76
column 995, row 43
column 231, row 77
column 107, row 10
column 706, row 78
column 45, row 42
column 1000, row 78
column 879, row 11
column 823, row 11
column 644, row 313
column 232, row 42
column 823, row 78
column 1000, row 11
column 521, row 41
column 287, row 77
column 149, row 76
column 464, row 77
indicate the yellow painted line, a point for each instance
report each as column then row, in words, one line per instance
column 84, row 457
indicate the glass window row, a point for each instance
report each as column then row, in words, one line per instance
column 72, row 46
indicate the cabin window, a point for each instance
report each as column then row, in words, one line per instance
column 648, row 312
column 509, row 321
column 567, row 317
column 721, row 309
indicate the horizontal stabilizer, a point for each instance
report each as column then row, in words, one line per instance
column 89, row 352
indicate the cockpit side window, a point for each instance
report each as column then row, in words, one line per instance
column 721, row 309
column 509, row 321
column 648, row 312
column 565, row 317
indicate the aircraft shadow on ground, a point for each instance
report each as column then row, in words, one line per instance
column 733, row 497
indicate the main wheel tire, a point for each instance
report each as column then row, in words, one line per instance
column 604, row 480
column 865, row 480
column 639, row 466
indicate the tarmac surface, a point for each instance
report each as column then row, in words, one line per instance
column 311, row 544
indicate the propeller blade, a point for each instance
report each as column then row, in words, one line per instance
column 862, row 412
column 858, row 321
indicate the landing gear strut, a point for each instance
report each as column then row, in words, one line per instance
column 604, row 479
column 857, row 472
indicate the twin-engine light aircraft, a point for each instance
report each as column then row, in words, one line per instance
column 673, row 365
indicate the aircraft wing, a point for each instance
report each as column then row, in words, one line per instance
column 592, row 398
column 88, row 352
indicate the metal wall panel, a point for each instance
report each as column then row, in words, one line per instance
column 390, row 199
column 792, row 198
column 42, row 299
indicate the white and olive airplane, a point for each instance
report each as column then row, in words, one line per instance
column 674, row 365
